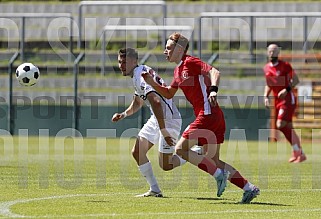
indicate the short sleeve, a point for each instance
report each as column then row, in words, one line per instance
column 198, row 67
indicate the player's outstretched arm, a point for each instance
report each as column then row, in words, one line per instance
column 135, row 105
column 167, row 92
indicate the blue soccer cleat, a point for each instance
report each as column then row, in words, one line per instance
column 249, row 195
column 221, row 181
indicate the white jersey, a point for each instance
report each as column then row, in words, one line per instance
column 173, row 121
column 142, row 89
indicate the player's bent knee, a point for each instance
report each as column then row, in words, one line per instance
column 135, row 153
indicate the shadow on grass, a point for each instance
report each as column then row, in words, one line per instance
column 226, row 201
column 98, row 201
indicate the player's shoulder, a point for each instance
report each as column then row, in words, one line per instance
column 286, row 66
column 191, row 59
column 284, row 63
column 267, row 66
column 139, row 70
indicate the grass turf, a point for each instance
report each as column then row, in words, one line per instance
column 97, row 178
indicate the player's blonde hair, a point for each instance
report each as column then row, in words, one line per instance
column 180, row 40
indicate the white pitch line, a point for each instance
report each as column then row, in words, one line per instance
column 5, row 206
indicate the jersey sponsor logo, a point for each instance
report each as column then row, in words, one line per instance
column 142, row 86
column 148, row 89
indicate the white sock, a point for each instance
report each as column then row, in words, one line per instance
column 248, row 187
column 147, row 171
column 295, row 147
column 217, row 172
column 181, row 160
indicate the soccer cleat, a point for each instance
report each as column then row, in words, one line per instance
column 151, row 193
column 249, row 195
column 297, row 157
column 300, row 158
column 221, row 181
column 198, row 149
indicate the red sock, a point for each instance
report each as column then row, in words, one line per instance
column 238, row 180
column 290, row 135
column 207, row 166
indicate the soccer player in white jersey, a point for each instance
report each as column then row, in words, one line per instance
column 163, row 126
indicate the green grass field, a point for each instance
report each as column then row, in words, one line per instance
column 97, row 178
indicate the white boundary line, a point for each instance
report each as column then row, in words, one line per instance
column 6, row 212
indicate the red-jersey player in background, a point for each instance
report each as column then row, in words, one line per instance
column 199, row 83
column 281, row 79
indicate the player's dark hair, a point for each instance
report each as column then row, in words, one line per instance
column 128, row 52
column 179, row 39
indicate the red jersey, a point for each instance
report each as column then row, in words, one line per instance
column 192, row 76
column 279, row 77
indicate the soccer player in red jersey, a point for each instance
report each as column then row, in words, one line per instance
column 199, row 83
column 280, row 80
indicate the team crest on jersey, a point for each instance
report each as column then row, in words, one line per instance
column 278, row 73
column 184, row 74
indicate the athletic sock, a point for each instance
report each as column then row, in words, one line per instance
column 295, row 147
column 147, row 171
column 238, row 180
column 181, row 160
column 207, row 166
column 248, row 186
column 217, row 172
column 291, row 136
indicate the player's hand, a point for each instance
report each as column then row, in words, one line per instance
column 168, row 138
column 282, row 94
column 212, row 98
column 117, row 116
column 147, row 77
column 170, row 141
column 267, row 102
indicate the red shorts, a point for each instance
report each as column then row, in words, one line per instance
column 285, row 110
column 207, row 129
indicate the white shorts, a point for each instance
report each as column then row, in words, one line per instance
column 151, row 132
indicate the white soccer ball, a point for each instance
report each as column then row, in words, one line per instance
column 27, row 74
